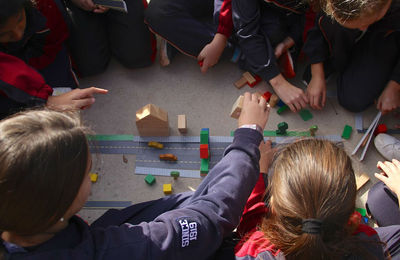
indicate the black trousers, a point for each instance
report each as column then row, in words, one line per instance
column 95, row 37
column 365, row 66
column 186, row 24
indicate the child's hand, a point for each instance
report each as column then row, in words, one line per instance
column 389, row 100
column 254, row 111
column 316, row 90
column 286, row 44
column 211, row 53
column 100, row 9
column 75, row 99
column 292, row 96
column 267, row 154
column 390, row 175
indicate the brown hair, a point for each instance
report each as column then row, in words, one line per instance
column 312, row 179
column 349, row 10
column 43, row 161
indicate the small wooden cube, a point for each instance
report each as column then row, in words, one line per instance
column 182, row 124
column 273, row 100
column 167, row 188
column 93, row 177
column 150, row 179
column 241, row 83
column 237, row 107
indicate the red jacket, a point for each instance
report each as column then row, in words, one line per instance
column 45, row 33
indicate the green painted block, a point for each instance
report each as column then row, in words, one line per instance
column 363, row 212
column 150, row 179
column 175, row 174
column 282, row 109
column 204, row 137
column 305, row 114
column 204, row 166
column 347, row 132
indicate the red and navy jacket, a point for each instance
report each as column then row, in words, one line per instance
column 20, row 62
column 223, row 17
column 254, row 245
column 254, row 42
column 320, row 43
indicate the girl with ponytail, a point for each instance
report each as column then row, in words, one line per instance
column 311, row 195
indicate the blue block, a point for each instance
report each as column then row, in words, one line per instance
column 280, row 103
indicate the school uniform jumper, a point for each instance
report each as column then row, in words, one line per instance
column 31, row 67
column 182, row 226
column 253, row 244
column 189, row 25
column 365, row 61
column 260, row 25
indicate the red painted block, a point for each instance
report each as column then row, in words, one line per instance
column 257, row 78
column 381, row 128
column 267, row 95
column 204, row 151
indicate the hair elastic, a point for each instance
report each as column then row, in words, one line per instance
column 311, row 226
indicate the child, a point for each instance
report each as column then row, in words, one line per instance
column 44, row 182
column 189, row 27
column 265, row 31
column 361, row 41
column 310, row 209
column 98, row 33
column 34, row 58
column 383, row 202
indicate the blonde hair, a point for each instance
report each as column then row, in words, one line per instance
column 350, row 10
column 312, row 179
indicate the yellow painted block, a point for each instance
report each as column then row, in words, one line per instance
column 167, row 188
column 93, row 177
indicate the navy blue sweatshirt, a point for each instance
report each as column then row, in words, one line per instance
column 193, row 231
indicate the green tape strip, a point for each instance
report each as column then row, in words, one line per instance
column 288, row 133
column 110, row 137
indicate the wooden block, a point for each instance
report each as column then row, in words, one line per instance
column 241, row 83
column 249, row 78
column 237, row 107
column 93, row 177
column 347, row 132
column 273, row 100
column 150, row 179
column 152, row 121
column 167, row 188
column 361, row 179
column 204, row 152
column 182, row 124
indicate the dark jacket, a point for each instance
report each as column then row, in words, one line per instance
column 193, row 231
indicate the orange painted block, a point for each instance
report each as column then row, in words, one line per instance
column 204, row 152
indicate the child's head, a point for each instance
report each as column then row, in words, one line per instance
column 13, row 19
column 44, row 164
column 356, row 14
column 313, row 192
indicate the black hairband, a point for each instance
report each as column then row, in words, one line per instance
column 311, row 226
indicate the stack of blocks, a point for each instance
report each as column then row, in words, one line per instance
column 204, row 151
column 152, row 121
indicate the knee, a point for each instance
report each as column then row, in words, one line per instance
column 351, row 97
column 158, row 12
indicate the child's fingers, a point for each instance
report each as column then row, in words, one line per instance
column 384, row 168
column 391, row 166
column 263, row 102
column 397, row 163
column 381, row 177
column 84, row 102
column 247, row 98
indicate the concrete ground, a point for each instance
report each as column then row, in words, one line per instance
column 206, row 100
